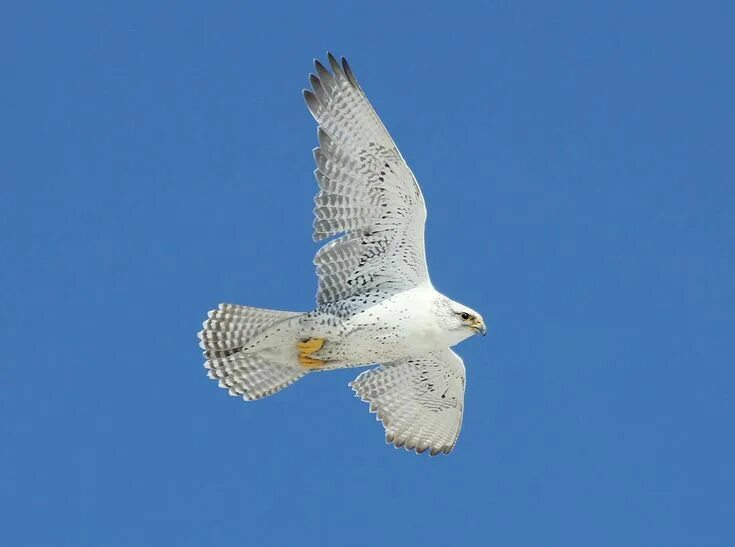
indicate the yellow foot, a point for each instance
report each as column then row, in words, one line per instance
column 306, row 348
column 309, row 362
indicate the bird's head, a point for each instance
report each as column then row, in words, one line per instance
column 460, row 319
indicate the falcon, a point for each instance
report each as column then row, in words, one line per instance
column 375, row 303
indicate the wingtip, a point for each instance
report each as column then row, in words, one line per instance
column 312, row 102
column 336, row 68
column 348, row 72
column 316, row 85
column 321, row 70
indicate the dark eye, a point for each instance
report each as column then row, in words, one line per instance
column 465, row 316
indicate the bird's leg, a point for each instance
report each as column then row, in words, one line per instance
column 306, row 348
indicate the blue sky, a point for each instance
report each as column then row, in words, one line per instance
column 578, row 166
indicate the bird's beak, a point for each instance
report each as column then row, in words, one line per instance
column 479, row 326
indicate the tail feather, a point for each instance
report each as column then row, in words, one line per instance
column 226, row 331
column 251, row 377
column 230, row 326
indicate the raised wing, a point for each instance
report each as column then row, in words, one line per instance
column 420, row 400
column 367, row 192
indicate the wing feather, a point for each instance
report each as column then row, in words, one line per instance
column 368, row 195
column 420, row 401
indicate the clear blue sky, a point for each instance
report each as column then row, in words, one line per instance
column 578, row 166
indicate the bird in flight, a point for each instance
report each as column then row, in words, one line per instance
column 375, row 302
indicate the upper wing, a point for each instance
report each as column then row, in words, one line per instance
column 420, row 401
column 366, row 192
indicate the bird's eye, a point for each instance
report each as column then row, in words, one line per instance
column 465, row 316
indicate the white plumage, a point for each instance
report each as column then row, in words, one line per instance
column 419, row 401
column 375, row 302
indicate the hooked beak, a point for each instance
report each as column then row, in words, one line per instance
column 479, row 326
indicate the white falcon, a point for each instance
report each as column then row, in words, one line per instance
column 375, row 301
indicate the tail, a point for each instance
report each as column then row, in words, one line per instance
column 226, row 331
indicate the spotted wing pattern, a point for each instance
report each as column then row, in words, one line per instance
column 367, row 194
column 420, row 400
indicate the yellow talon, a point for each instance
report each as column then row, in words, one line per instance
column 306, row 348
column 309, row 362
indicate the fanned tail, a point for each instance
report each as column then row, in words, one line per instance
column 226, row 332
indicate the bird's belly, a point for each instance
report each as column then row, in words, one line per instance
column 367, row 342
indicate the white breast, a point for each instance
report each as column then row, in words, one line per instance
column 400, row 326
